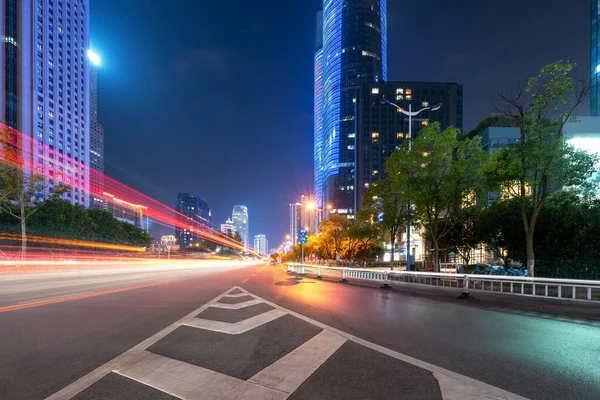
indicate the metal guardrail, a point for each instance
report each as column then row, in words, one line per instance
column 565, row 289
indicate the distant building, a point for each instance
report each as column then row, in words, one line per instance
column 382, row 129
column 261, row 244
column 228, row 227
column 125, row 211
column 96, row 155
column 295, row 222
column 193, row 215
column 239, row 216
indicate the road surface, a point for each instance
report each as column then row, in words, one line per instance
column 257, row 332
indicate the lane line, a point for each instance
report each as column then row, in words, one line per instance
column 39, row 303
column 238, row 327
column 290, row 371
column 237, row 306
column 125, row 358
column 238, row 295
column 245, row 280
column 191, row 382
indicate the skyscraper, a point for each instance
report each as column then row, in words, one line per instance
column 228, row 228
column 261, row 244
column 96, row 156
column 595, row 58
column 44, row 74
column 295, row 222
column 239, row 216
column 191, row 209
column 353, row 52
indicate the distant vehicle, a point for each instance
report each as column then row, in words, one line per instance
column 272, row 262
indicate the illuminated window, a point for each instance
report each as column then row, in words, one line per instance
column 367, row 185
column 351, row 147
column 408, row 97
column 425, row 123
column 399, row 91
column 425, row 104
column 375, row 134
column 408, row 91
column 351, row 135
column 375, row 141
column 375, row 91
column 400, row 135
column 399, row 97
column 375, row 172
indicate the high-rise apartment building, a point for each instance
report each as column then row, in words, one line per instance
column 239, row 216
column 96, row 155
column 381, row 128
column 134, row 214
column 295, row 222
column 595, row 58
column 191, row 210
column 44, row 74
column 353, row 52
column 261, row 244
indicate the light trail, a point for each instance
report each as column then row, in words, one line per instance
column 18, row 151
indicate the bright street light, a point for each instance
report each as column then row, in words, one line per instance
column 94, row 58
column 311, row 205
column 410, row 114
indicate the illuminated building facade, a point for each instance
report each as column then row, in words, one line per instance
column 125, row 211
column 96, row 155
column 381, row 129
column 595, row 59
column 584, row 134
column 239, row 216
column 318, row 112
column 295, row 222
column 44, row 74
column 261, row 244
column 228, row 228
column 191, row 210
column 353, row 52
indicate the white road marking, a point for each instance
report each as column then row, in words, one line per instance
column 238, row 295
column 455, row 389
column 86, row 381
column 238, row 327
column 290, row 371
column 245, row 280
column 237, row 306
column 188, row 381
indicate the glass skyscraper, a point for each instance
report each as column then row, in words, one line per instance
column 239, row 216
column 353, row 52
column 44, row 73
column 595, row 59
column 191, row 209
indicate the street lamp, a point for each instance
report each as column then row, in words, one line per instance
column 410, row 114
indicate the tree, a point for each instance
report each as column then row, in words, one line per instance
column 364, row 235
column 386, row 206
column 336, row 228
column 441, row 171
column 20, row 191
column 238, row 237
column 542, row 162
column 463, row 238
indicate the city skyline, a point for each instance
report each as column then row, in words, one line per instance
column 439, row 53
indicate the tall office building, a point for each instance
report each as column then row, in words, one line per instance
column 595, row 59
column 318, row 111
column 239, row 216
column 46, row 91
column 295, row 222
column 228, row 228
column 261, row 244
column 382, row 129
column 191, row 210
column 353, row 52
column 96, row 155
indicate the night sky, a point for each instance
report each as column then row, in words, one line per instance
column 215, row 97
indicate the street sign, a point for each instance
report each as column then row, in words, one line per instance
column 303, row 240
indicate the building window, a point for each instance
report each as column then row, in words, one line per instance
column 375, row 91
column 399, row 91
column 400, row 135
column 375, row 134
column 425, row 104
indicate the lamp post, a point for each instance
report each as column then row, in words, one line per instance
column 410, row 114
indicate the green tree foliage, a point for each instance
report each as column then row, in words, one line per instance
column 542, row 162
column 237, row 237
column 440, row 173
column 335, row 229
column 385, row 206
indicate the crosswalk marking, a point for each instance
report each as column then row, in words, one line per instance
column 191, row 382
column 237, row 306
column 238, row 295
column 290, row 371
column 238, row 327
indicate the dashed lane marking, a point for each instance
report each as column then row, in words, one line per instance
column 236, row 306
column 238, row 327
column 237, row 295
column 245, row 280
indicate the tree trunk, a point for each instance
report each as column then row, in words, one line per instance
column 530, row 253
column 23, row 235
column 436, row 256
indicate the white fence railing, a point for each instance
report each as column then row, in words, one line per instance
column 525, row 286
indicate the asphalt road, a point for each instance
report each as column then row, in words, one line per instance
column 384, row 344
